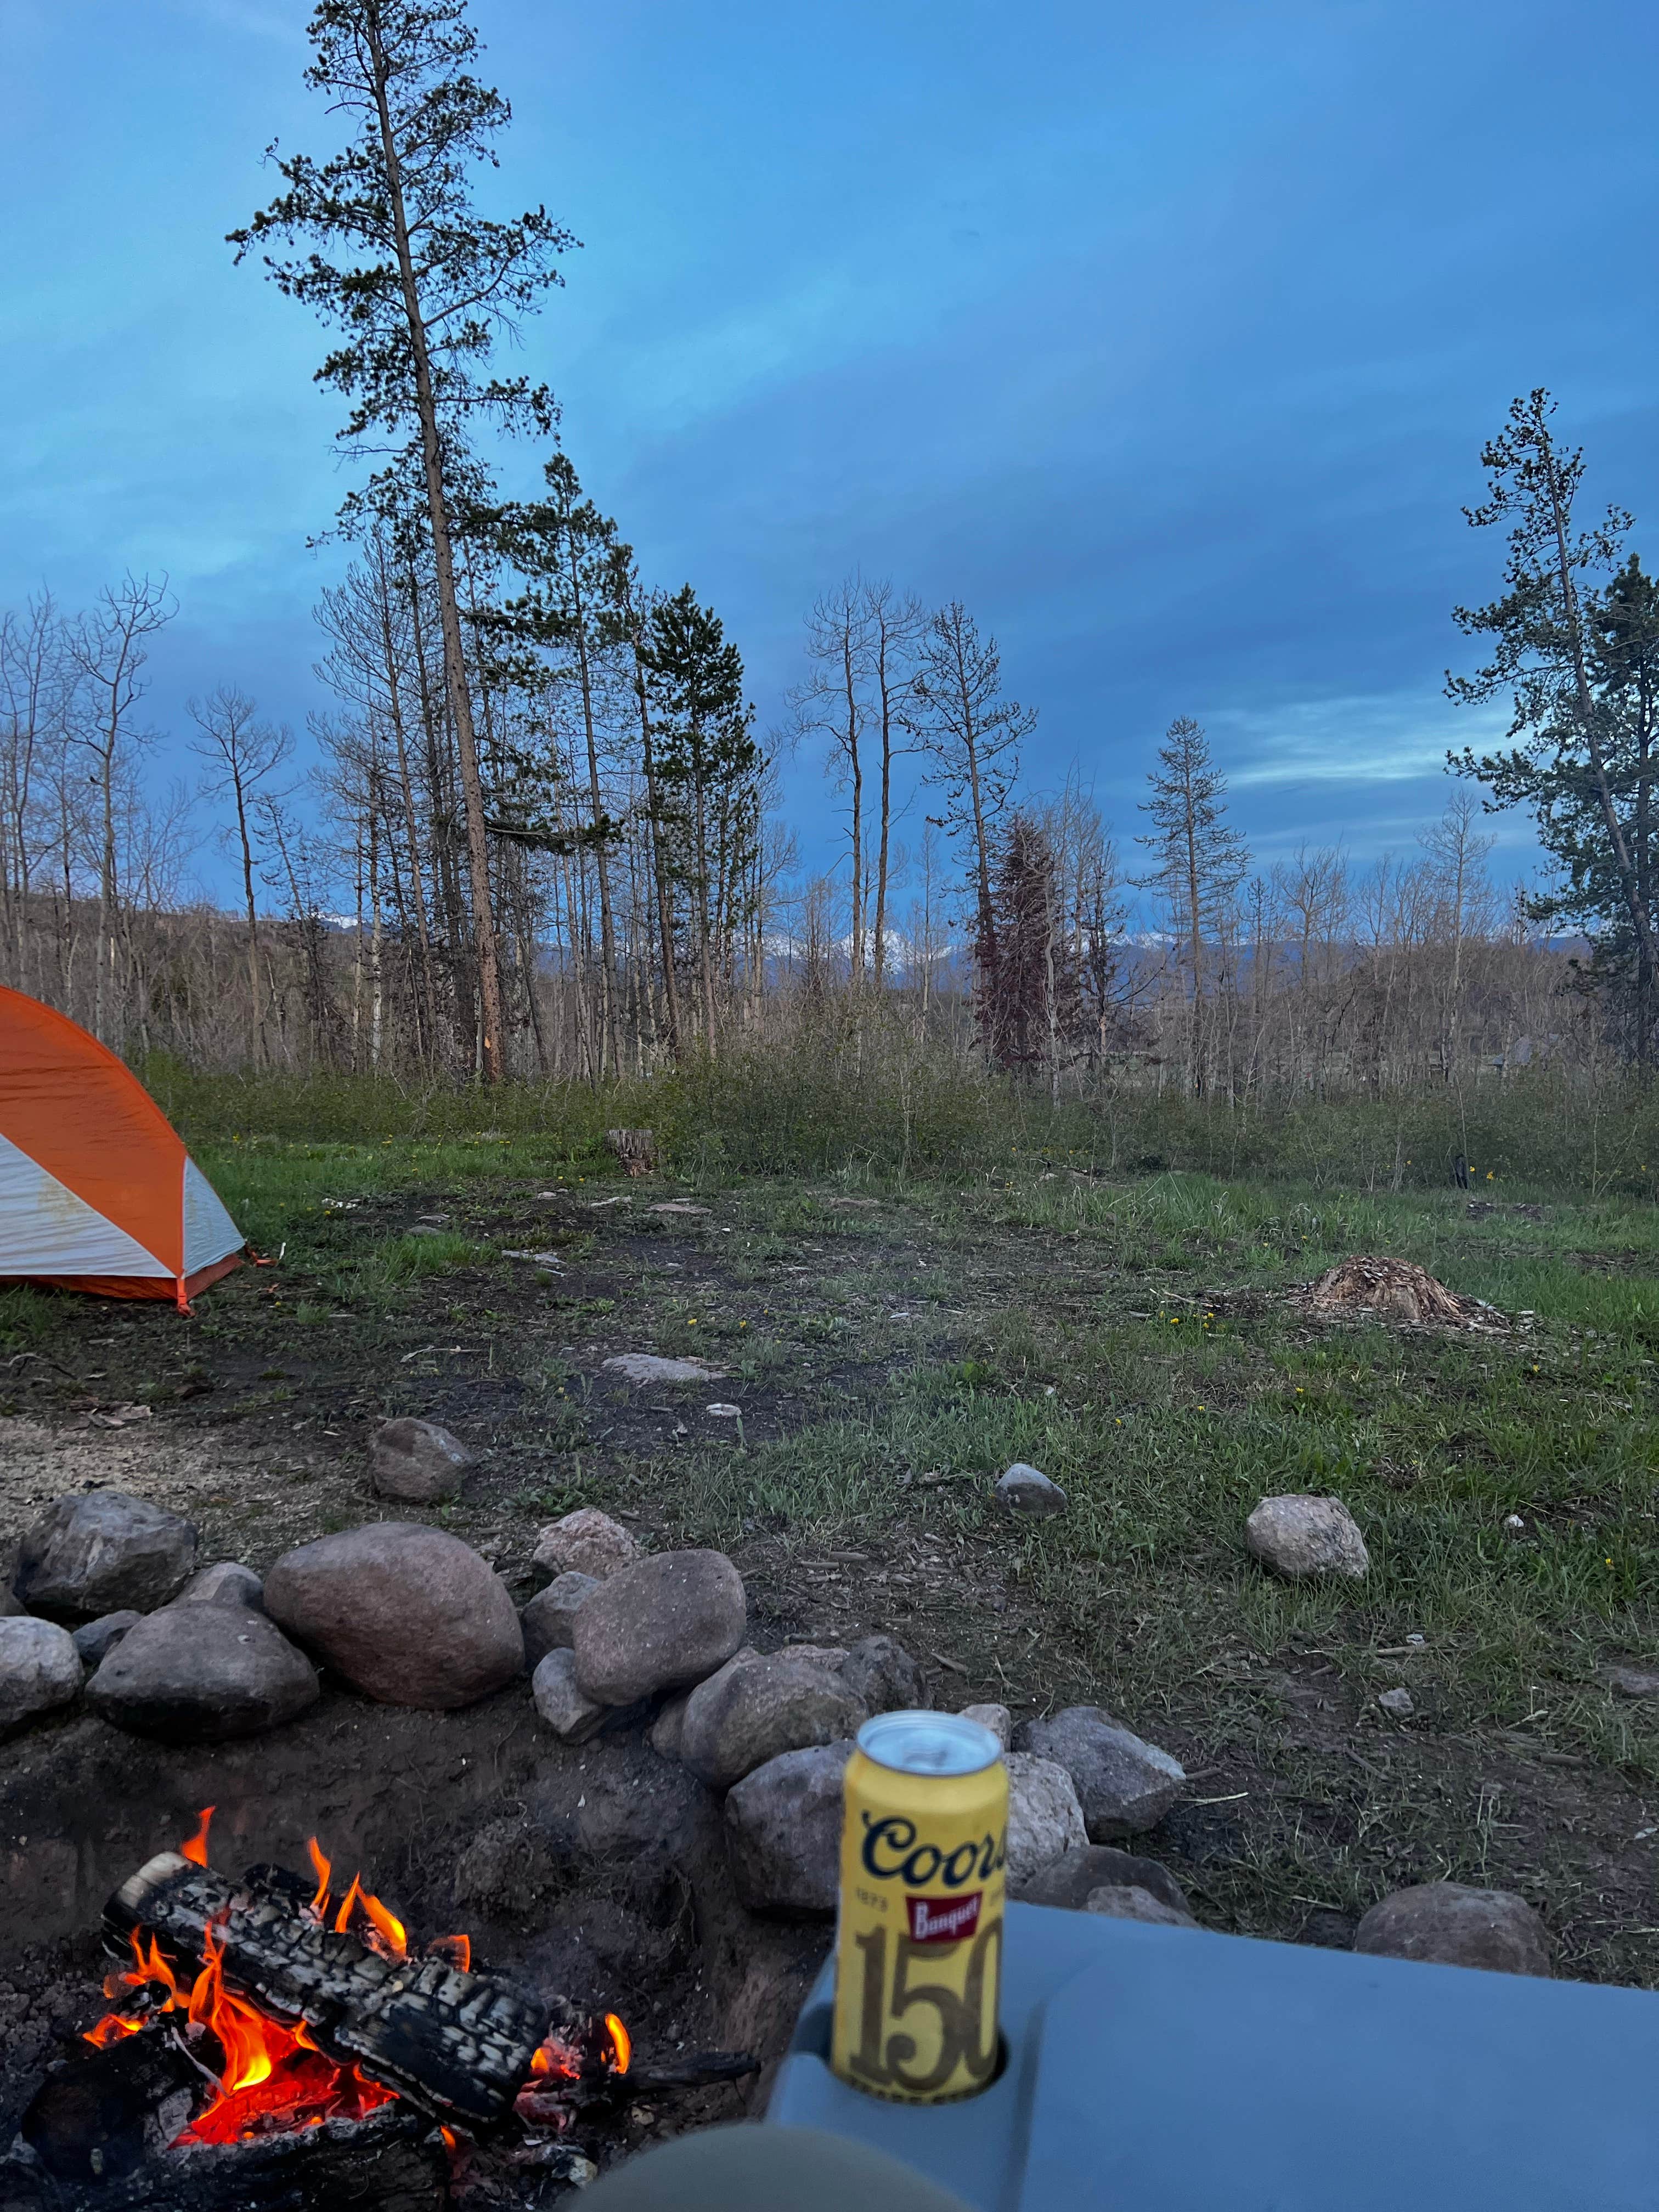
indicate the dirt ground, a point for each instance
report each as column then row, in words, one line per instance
column 887, row 1353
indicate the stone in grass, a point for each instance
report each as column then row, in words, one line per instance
column 549, row 1621
column 1627, row 1679
column 783, row 1832
column 997, row 1718
column 643, row 1367
column 408, row 1614
column 572, row 1716
column 1028, row 1492
column 1397, row 1703
column 103, row 1553
column 884, row 1676
column 585, row 1542
column 662, row 1624
column 225, row 1583
column 1045, row 1816
column 39, row 1669
column 95, row 1639
column 1128, row 1901
column 754, row 1708
column 1124, row 1784
column 203, row 1673
column 1071, row 1880
column 1300, row 1537
column 1455, row 1926
column 417, row 1462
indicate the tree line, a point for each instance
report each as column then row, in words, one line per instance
column 544, row 838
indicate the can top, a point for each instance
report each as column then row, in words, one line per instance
column 928, row 1743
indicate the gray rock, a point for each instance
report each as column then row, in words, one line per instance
column 1627, row 1679
column 662, row 1624
column 1302, row 1536
column 670, row 1724
column 783, row 1832
column 417, row 1462
column 103, row 1553
column 39, row 1669
column 884, row 1676
column 203, row 1673
column 832, row 1655
column 1123, row 1784
column 1070, row 1881
column 1398, row 1702
column 95, row 1639
column 12, row 1607
column 1128, row 1901
column 753, row 1708
column 585, row 1542
column 571, row 1717
column 549, row 1619
column 642, row 1367
column 1455, row 1926
column 225, row 1582
column 1045, row 1816
column 997, row 1718
column 408, row 1614
column 1028, row 1492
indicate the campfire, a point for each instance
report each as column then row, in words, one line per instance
column 251, row 2016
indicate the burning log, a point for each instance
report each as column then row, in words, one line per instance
column 456, row 2044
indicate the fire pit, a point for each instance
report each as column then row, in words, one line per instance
column 278, row 2040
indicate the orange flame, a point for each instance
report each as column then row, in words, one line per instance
column 195, row 1848
column 394, row 1943
column 343, row 1918
column 325, row 1873
column 621, row 2042
column 454, row 1950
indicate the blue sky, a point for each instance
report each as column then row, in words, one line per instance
column 1167, row 339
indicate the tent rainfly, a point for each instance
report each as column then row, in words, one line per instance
column 97, row 1192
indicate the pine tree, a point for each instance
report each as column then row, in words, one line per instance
column 421, row 287
column 1198, row 861
column 1575, row 660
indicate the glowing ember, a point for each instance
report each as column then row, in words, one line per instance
column 621, row 2042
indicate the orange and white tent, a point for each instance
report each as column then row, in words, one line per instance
column 97, row 1192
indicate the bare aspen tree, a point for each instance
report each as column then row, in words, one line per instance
column 241, row 753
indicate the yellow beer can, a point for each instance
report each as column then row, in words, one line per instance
column 918, row 1939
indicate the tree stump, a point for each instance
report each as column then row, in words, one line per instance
column 636, row 1149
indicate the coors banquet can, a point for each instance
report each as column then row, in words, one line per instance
column 919, row 1941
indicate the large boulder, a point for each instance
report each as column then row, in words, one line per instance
column 549, row 1621
column 102, row 1553
column 585, row 1542
column 1304, row 1537
column 408, row 1615
column 1455, row 1926
column 753, row 1708
column 884, row 1676
column 417, row 1462
column 1070, row 1881
column 39, row 1669
column 1044, row 1817
column 203, row 1673
column 1123, row 1784
column 659, row 1625
column 783, row 1832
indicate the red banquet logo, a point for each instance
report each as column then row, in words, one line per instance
column 942, row 1919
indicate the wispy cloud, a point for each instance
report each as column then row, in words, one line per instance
column 1371, row 739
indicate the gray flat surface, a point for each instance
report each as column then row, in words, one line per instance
column 1168, row 2069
